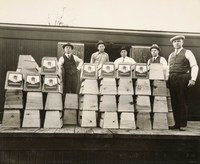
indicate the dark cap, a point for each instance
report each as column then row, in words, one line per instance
column 156, row 47
column 68, row 44
column 124, row 48
column 100, row 42
column 177, row 37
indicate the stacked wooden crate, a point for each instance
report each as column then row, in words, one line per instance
column 88, row 96
column 108, row 102
column 51, row 86
column 143, row 93
column 125, row 93
column 70, row 109
column 160, row 93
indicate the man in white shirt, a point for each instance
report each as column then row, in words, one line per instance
column 124, row 59
column 156, row 58
column 182, row 74
column 100, row 56
column 69, row 65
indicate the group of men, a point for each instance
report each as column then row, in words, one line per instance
column 182, row 71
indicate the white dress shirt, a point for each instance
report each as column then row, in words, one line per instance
column 124, row 60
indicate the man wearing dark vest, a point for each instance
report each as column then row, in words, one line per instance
column 70, row 65
column 183, row 71
column 156, row 58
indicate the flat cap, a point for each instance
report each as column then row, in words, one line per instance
column 68, row 44
column 156, row 47
column 100, row 42
column 177, row 37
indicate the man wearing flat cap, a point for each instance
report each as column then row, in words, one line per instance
column 156, row 58
column 70, row 65
column 182, row 74
column 124, row 58
column 100, row 56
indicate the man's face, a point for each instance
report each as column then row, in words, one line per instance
column 123, row 53
column 154, row 52
column 178, row 43
column 101, row 47
column 68, row 49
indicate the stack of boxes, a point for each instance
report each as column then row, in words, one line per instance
column 88, row 96
column 143, row 93
column 108, row 95
column 13, row 105
column 125, row 93
column 160, row 93
column 51, row 86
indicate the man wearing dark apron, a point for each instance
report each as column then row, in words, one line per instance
column 70, row 66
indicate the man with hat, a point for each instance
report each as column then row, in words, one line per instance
column 182, row 74
column 156, row 58
column 124, row 58
column 70, row 65
column 100, row 56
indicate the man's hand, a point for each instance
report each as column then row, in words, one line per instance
column 191, row 83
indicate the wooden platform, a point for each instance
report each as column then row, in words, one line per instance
column 73, row 144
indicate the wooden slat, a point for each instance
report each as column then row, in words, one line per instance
column 143, row 87
column 54, row 102
column 67, row 129
column 125, row 87
column 34, row 101
column 71, row 101
column 81, row 130
column 159, row 88
column 13, row 99
column 125, row 103
column 160, row 104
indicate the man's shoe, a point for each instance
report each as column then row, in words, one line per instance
column 182, row 128
column 173, row 127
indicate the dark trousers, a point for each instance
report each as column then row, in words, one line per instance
column 70, row 83
column 178, row 86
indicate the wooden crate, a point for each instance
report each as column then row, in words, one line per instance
column 143, row 121
column 160, row 104
column 13, row 99
column 89, row 103
column 54, row 102
column 49, row 66
column 34, row 101
column 108, row 103
column 14, row 80
column 11, row 118
column 89, row 71
column 140, row 71
column 125, row 87
column 109, row 120
column 143, row 87
column 70, row 117
column 125, row 103
column 51, row 84
column 31, row 119
column 108, row 86
column 32, row 82
column 156, row 71
column 124, row 71
column 127, row 121
column 108, row 70
column 89, row 86
column 71, row 101
column 53, row 119
column 159, row 88
column 87, row 118
column 160, row 121
column 143, row 104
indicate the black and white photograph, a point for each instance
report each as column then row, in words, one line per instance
column 99, row 81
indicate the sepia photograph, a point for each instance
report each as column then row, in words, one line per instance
column 99, row 82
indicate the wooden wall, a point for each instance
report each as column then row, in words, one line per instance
column 40, row 41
